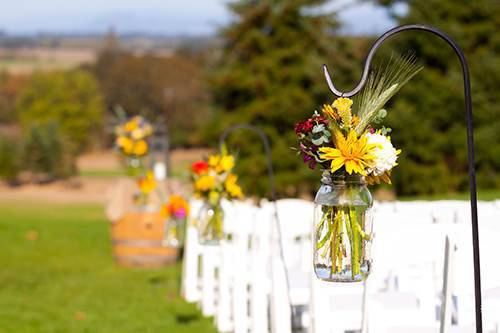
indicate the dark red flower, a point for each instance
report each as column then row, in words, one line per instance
column 304, row 127
column 199, row 167
column 319, row 119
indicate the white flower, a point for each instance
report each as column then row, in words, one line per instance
column 385, row 155
column 138, row 134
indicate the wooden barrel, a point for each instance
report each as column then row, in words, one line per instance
column 136, row 239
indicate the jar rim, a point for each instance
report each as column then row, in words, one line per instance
column 341, row 179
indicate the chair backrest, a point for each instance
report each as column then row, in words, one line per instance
column 234, row 270
column 295, row 217
column 335, row 307
column 411, row 254
column 260, row 261
column 190, row 279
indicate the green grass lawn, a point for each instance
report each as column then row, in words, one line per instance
column 57, row 275
column 103, row 173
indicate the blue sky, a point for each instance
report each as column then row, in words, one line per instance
column 152, row 16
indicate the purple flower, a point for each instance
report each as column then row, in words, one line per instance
column 309, row 160
column 306, row 158
column 312, row 164
column 180, row 214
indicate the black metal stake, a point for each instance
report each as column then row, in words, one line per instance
column 470, row 138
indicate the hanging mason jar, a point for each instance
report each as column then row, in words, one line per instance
column 342, row 229
column 135, row 166
column 210, row 230
column 174, row 232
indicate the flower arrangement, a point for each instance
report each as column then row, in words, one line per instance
column 175, row 213
column 131, row 139
column 352, row 147
column 146, row 184
column 214, row 180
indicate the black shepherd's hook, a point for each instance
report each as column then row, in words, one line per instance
column 267, row 150
column 272, row 186
column 470, row 137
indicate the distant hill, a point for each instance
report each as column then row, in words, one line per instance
column 25, row 54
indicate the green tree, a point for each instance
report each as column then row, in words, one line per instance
column 9, row 159
column 270, row 75
column 10, row 85
column 71, row 99
column 46, row 154
column 161, row 88
column 428, row 116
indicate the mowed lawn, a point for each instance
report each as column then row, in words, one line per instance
column 57, row 275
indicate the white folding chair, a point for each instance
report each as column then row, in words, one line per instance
column 233, row 270
column 211, row 261
column 412, row 255
column 245, row 216
column 444, row 302
column 260, row 281
column 336, row 307
column 223, row 271
column 190, row 286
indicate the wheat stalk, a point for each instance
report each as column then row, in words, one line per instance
column 383, row 83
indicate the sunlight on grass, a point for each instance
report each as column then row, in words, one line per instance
column 58, row 275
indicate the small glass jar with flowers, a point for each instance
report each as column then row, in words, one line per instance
column 214, row 180
column 175, row 213
column 146, row 185
column 131, row 140
column 354, row 150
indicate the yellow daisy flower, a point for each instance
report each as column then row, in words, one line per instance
column 214, row 160
column 205, row 183
column 140, row 148
column 342, row 104
column 231, row 187
column 126, row 144
column 352, row 153
column 226, row 163
column 131, row 125
column 148, row 183
column 343, row 107
column 330, row 112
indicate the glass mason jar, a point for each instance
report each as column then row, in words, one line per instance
column 210, row 230
column 134, row 165
column 342, row 229
column 173, row 235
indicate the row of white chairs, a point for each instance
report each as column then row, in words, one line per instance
column 260, row 278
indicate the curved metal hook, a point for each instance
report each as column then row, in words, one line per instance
column 378, row 43
column 470, row 138
column 267, row 149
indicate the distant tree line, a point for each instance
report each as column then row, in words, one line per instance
column 265, row 69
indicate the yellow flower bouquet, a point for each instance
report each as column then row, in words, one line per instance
column 214, row 180
column 354, row 150
column 146, row 185
column 131, row 140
